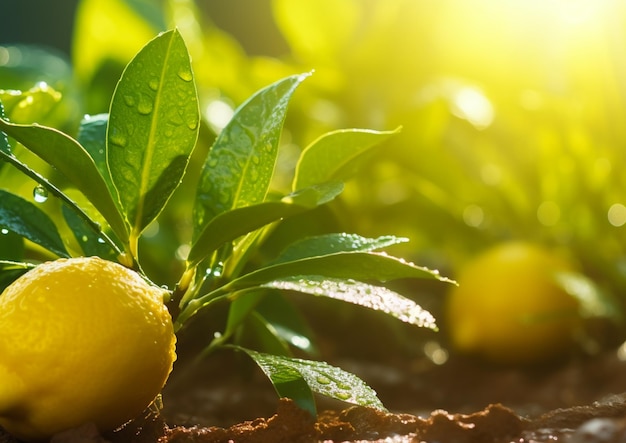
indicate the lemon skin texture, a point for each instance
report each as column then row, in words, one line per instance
column 509, row 309
column 83, row 340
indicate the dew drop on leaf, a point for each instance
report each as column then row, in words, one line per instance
column 144, row 107
column 343, row 395
column 129, row 100
column 153, row 84
column 40, row 194
column 192, row 124
column 4, row 231
column 323, row 380
column 118, row 140
column 185, row 75
column 84, row 238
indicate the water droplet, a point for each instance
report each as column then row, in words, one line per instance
column 192, row 124
column 212, row 162
column 40, row 194
column 118, row 139
column 256, row 159
column 153, row 84
column 145, row 106
column 4, row 231
column 101, row 240
column 343, row 395
column 84, row 238
column 323, row 380
column 129, row 100
column 185, row 75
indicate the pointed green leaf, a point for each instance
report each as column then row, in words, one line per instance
column 153, row 127
column 73, row 161
column 331, row 156
column 240, row 165
column 357, row 265
column 288, row 374
column 229, row 225
column 332, row 243
column 373, row 297
column 26, row 219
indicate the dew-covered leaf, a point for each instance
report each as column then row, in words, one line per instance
column 333, row 243
column 378, row 298
column 229, row 225
column 153, row 127
column 365, row 266
column 240, row 165
column 24, row 218
column 293, row 377
column 333, row 155
column 75, row 163
column 92, row 135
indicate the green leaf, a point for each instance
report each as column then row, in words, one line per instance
column 229, row 225
column 296, row 378
column 92, row 135
column 263, row 335
column 240, row 165
column 332, row 243
column 32, row 105
column 73, row 161
column 24, row 218
column 332, row 156
column 356, row 265
column 90, row 242
column 153, row 127
column 377, row 298
column 11, row 270
column 593, row 302
column 287, row 321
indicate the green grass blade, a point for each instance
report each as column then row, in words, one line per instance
column 332, row 156
column 75, row 163
column 24, row 218
column 153, row 128
column 240, row 165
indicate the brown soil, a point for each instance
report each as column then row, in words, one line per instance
column 460, row 401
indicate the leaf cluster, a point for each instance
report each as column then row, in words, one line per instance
column 113, row 180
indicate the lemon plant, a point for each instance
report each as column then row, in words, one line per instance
column 110, row 181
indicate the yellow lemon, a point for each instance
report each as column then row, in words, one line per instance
column 509, row 308
column 82, row 340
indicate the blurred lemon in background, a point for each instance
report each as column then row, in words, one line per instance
column 510, row 308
